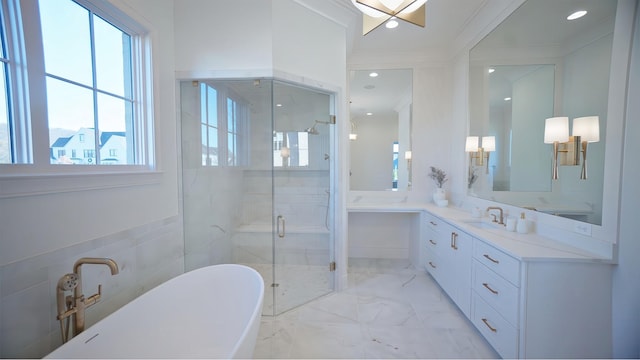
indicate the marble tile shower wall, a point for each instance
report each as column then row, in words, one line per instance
column 301, row 197
column 147, row 256
column 212, row 212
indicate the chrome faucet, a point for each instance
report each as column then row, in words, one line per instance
column 501, row 222
column 75, row 306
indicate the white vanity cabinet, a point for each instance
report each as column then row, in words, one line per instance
column 528, row 296
column 448, row 253
column 541, row 308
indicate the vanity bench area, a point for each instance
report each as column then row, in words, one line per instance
column 528, row 295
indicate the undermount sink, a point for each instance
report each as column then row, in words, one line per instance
column 483, row 225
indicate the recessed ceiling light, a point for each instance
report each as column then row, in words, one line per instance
column 369, row 114
column 491, row 70
column 279, row 105
column 507, row 99
column 373, row 74
column 576, row 15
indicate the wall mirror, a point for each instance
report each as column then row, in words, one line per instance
column 380, row 138
column 535, row 65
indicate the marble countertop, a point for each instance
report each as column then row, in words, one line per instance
column 525, row 247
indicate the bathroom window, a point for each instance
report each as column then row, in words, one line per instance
column 291, row 149
column 224, row 120
column 96, row 87
column 7, row 132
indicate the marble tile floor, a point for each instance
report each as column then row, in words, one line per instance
column 390, row 310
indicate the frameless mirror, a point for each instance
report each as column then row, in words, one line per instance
column 535, row 65
column 380, row 138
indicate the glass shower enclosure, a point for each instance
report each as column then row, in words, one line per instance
column 257, row 185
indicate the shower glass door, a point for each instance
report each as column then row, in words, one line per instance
column 256, row 184
column 302, row 195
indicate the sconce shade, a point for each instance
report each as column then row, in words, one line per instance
column 588, row 128
column 556, row 129
column 471, row 144
column 285, row 152
column 489, row 143
column 407, row 155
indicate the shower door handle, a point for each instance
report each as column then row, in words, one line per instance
column 281, row 230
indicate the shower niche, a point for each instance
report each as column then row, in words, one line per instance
column 256, row 183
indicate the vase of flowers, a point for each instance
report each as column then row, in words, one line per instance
column 439, row 177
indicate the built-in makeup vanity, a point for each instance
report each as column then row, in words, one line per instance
column 528, row 295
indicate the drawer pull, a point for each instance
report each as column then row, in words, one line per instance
column 491, row 259
column 486, row 322
column 433, row 242
column 489, row 288
column 454, row 237
column 432, row 223
column 431, row 264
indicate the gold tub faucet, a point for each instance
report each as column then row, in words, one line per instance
column 75, row 306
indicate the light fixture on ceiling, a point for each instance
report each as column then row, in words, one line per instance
column 556, row 131
column 377, row 12
column 391, row 24
column 577, row 15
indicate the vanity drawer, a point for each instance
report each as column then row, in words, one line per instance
column 503, row 264
column 433, row 223
column 496, row 291
column 433, row 265
column 498, row 332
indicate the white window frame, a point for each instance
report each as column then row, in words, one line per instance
column 241, row 122
column 28, row 84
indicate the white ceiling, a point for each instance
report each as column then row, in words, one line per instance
column 445, row 20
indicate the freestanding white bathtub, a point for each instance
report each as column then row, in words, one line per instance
column 211, row 312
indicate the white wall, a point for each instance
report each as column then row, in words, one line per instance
column 44, row 234
column 626, row 287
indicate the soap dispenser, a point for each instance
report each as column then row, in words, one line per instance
column 522, row 224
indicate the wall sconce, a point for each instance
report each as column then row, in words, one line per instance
column 568, row 148
column 480, row 153
column 407, row 156
column 285, row 152
column 352, row 134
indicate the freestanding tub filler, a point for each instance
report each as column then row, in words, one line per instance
column 211, row 312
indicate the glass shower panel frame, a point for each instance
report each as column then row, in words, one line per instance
column 237, row 200
column 302, row 192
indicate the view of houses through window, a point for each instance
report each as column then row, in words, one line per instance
column 89, row 94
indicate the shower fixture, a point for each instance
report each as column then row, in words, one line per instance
column 312, row 130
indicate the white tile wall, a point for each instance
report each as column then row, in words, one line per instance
column 146, row 256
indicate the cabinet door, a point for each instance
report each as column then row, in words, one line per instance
column 458, row 265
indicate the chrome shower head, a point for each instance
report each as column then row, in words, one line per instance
column 312, row 130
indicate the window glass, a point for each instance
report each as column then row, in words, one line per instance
column 6, row 156
column 66, row 40
column 92, row 91
column 113, row 58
